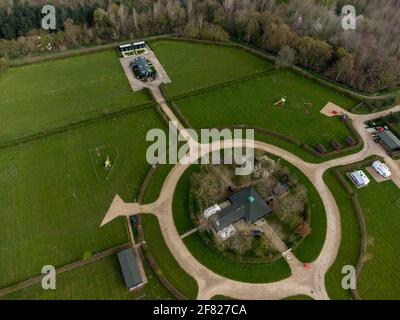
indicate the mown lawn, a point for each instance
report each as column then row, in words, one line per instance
column 180, row 205
column 252, row 103
column 52, row 94
column 245, row 272
column 193, row 66
column 379, row 279
column 165, row 260
column 349, row 250
column 156, row 182
column 101, row 280
column 52, row 202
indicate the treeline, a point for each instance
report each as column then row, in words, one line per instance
column 303, row 32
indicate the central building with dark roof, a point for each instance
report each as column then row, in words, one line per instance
column 246, row 204
column 142, row 68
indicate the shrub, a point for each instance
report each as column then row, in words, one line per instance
column 350, row 141
column 87, row 255
column 335, row 145
column 3, row 64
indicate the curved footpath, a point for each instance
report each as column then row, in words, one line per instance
column 310, row 281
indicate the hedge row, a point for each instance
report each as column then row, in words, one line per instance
column 321, row 79
column 153, row 264
column 225, row 84
column 70, row 53
column 298, row 143
column 185, row 121
column 76, row 125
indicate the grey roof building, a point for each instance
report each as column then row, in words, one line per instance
column 389, row 140
column 130, row 269
column 246, row 204
column 142, row 66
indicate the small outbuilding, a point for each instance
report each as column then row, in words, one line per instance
column 350, row 141
column 389, row 141
column 130, row 269
column 335, row 145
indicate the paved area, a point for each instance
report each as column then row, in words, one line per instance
column 332, row 110
column 274, row 238
column 308, row 281
column 138, row 85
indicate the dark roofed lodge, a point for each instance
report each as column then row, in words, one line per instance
column 246, row 204
column 130, row 269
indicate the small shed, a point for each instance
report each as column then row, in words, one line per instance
column 335, row 145
column 350, row 141
column 130, row 269
column 320, row 148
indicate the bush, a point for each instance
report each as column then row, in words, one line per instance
column 320, row 149
column 3, row 64
column 87, row 255
column 335, row 145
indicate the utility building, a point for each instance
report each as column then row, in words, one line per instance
column 130, row 269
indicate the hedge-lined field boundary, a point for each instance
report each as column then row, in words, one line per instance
column 76, row 125
column 174, row 37
column 282, row 136
column 145, row 250
column 352, row 92
column 217, row 86
column 339, row 174
column 73, row 52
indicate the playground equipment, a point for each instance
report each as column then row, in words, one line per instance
column 280, row 103
column 107, row 163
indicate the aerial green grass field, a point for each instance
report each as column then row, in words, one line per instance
column 51, row 94
column 165, row 260
column 51, row 201
column 252, row 103
column 379, row 278
column 101, row 280
column 349, row 250
column 193, row 66
column 245, row 272
column 154, row 187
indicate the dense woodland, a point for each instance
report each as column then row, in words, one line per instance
column 303, row 32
